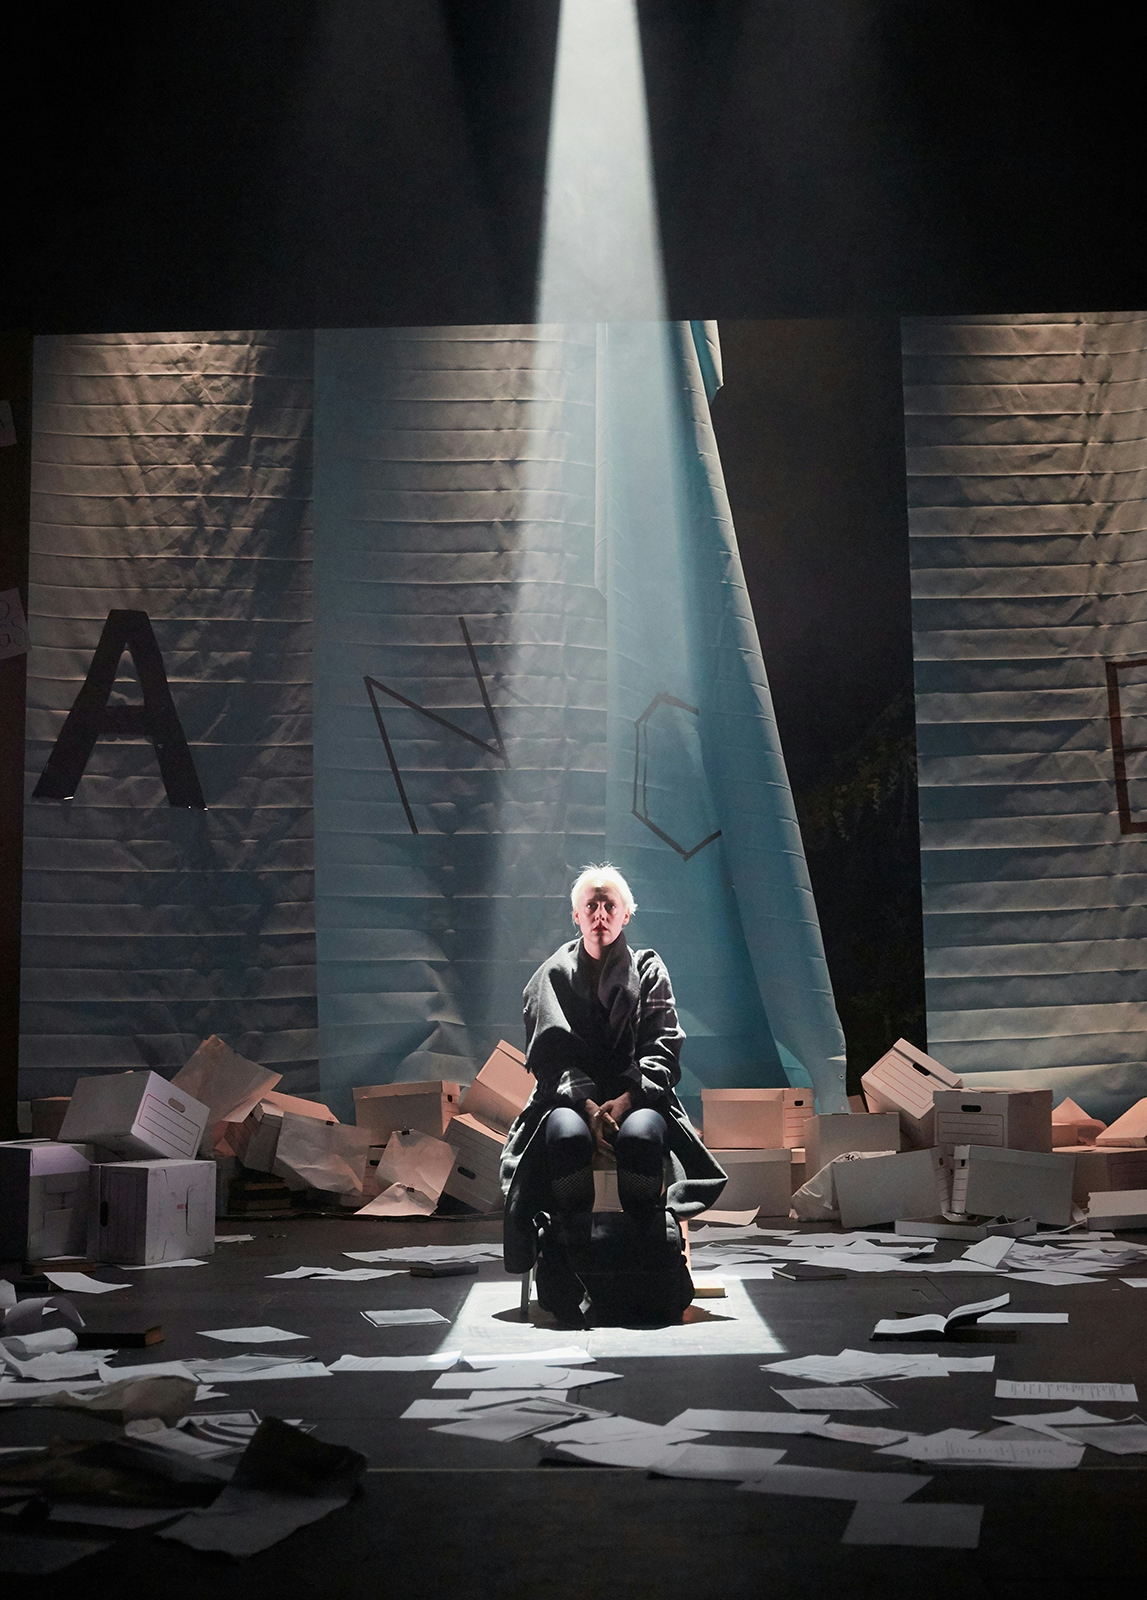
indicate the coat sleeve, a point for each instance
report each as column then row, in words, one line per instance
column 657, row 1067
column 561, row 1077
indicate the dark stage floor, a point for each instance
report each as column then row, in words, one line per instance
column 446, row 1515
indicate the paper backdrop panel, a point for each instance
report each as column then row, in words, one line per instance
column 171, row 474
column 1027, row 482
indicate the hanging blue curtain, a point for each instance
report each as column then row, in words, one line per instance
column 535, row 648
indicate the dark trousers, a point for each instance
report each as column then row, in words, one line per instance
column 639, row 1149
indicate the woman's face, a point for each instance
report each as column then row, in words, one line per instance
column 600, row 914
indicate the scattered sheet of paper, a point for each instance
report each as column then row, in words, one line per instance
column 1053, row 1279
column 342, row 1274
column 415, row 1317
column 57, row 1364
column 245, row 1369
column 750, row 1421
column 715, row 1461
column 522, row 1375
column 855, row 1433
column 989, row 1252
column 186, row 1261
column 954, row 1445
column 633, row 1452
column 469, row 1405
column 396, row 1200
column 234, row 1238
column 1009, row 1389
column 933, row 1526
column 747, row 1271
column 1049, row 1420
column 434, row 1363
column 241, row 1522
column 607, row 1430
column 1135, row 1283
column 81, row 1283
column 847, row 1399
column 566, row 1355
column 831, row 1483
column 1120, row 1439
column 257, row 1335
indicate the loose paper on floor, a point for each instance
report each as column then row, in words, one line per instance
column 1009, row 1389
column 414, row 1317
column 715, row 1461
column 750, row 1421
column 81, row 1283
column 256, row 1335
column 846, row 1399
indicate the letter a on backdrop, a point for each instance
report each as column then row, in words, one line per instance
column 91, row 717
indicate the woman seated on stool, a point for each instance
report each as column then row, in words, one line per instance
column 603, row 1042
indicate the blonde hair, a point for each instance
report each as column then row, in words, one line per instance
column 597, row 877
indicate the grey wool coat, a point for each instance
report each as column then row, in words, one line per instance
column 577, row 1051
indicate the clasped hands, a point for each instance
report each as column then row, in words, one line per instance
column 606, row 1119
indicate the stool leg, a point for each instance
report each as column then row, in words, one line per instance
column 527, row 1286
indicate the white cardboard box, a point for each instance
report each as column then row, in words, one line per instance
column 43, row 1199
column 1095, row 1170
column 135, row 1114
column 838, row 1132
column 386, row 1108
column 1121, row 1208
column 228, row 1084
column 743, row 1119
column 500, row 1090
column 888, row 1188
column 1011, row 1119
column 147, row 1211
column 905, row 1080
column 755, row 1119
column 477, row 1166
column 990, row 1181
column 757, row 1178
column 1130, row 1128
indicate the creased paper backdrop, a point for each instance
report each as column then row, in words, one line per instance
column 1027, row 481
column 172, row 474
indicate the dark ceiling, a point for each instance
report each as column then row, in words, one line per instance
column 342, row 162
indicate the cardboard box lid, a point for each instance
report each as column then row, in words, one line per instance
column 764, row 1095
column 427, row 1086
column 742, row 1157
column 1130, row 1128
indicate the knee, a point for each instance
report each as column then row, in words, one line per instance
column 643, row 1127
column 566, row 1129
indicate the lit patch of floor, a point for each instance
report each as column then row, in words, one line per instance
column 489, row 1321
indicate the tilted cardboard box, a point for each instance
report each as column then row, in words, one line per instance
column 424, row 1107
column 135, row 1114
column 758, row 1179
column 995, row 1181
column 838, row 1132
column 905, row 1080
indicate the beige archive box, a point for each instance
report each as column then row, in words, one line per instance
column 1122, row 1208
column 501, row 1089
column 1095, row 1171
column 1009, row 1119
column 1130, row 1128
column 43, row 1199
column 477, row 1165
column 135, row 1114
column 838, row 1132
column 905, row 1080
column 995, row 1181
column 891, row 1188
column 148, row 1211
column 757, row 1178
column 755, row 1119
column 423, row 1107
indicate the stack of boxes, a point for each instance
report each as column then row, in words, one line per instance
column 489, row 1106
column 758, row 1136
